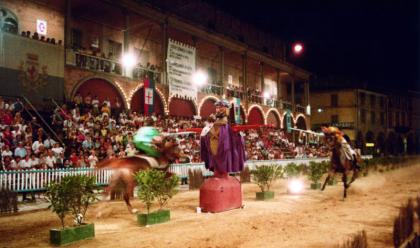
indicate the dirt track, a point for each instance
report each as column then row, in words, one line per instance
column 314, row 219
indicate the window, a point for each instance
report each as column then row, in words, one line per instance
column 372, row 117
column 76, row 38
column 334, row 119
column 334, row 100
column 382, row 102
column 363, row 116
column 390, row 120
column 114, row 49
column 397, row 119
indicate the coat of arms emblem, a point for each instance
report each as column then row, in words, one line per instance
column 30, row 76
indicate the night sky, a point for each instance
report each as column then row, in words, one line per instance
column 375, row 43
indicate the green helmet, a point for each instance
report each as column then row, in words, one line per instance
column 143, row 140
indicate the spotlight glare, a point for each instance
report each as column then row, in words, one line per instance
column 295, row 186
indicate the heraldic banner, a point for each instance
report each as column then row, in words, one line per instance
column 31, row 68
column 180, row 68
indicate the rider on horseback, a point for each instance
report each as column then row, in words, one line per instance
column 345, row 146
column 148, row 139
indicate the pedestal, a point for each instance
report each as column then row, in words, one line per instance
column 220, row 193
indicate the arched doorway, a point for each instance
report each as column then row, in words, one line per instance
column 301, row 123
column 273, row 119
column 207, row 108
column 181, row 108
column 255, row 116
column 102, row 89
column 137, row 102
column 8, row 21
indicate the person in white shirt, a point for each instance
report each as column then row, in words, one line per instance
column 93, row 160
column 34, row 161
column 25, row 164
column 49, row 160
column 36, row 145
column 49, row 143
column 57, row 150
column 6, row 152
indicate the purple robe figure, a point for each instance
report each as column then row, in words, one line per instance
column 222, row 149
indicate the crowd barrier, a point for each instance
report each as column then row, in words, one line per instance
column 37, row 180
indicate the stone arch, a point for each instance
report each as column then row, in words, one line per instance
column 8, row 21
column 102, row 87
column 370, row 137
column 182, row 107
column 273, row 118
column 301, row 122
column 137, row 102
column 255, row 115
column 391, row 141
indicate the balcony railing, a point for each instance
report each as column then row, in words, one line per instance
column 300, row 109
column 100, row 64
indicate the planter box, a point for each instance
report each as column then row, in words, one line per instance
column 157, row 217
column 72, row 234
column 315, row 185
column 267, row 195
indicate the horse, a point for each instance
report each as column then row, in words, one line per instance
column 125, row 168
column 340, row 163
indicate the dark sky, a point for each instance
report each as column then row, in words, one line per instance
column 375, row 42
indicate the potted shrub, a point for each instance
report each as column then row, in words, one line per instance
column 291, row 170
column 365, row 167
column 264, row 176
column 155, row 185
column 72, row 195
column 316, row 170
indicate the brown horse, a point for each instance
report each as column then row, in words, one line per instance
column 125, row 168
column 340, row 163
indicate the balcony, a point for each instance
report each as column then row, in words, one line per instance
column 110, row 66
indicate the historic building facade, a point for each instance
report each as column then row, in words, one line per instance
column 376, row 122
column 243, row 64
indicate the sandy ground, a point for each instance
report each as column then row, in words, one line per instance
column 313, row 219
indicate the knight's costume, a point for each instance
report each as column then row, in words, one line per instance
column 222, row 149
column 144, row 138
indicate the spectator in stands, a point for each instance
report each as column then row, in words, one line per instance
column 20, row 151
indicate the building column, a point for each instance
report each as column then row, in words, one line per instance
column 278, row 79
column 67, row 25
column 126, row 40
column 244, row 76
column 306, row 93
column 164, row 51
column 222, row 68
column 262, row 77
column 293, row 95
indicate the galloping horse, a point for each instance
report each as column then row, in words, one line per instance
column 339, row 162
column 125, row 168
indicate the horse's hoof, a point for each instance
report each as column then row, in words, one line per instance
column 134, row 211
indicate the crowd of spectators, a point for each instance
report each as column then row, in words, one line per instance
column 36, row 36
column 91, row 129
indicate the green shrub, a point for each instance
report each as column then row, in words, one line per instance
column 291, row 170
column 155, row 185
column 264, row 175
column 302, row 168
column 72, row 195
column 316, row 170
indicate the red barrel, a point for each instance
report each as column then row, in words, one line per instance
column 219, row 194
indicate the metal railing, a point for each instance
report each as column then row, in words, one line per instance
column 112, row 66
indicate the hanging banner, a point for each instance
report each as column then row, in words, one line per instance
column 180, row 68
column 237, row 110
column 289, row 121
